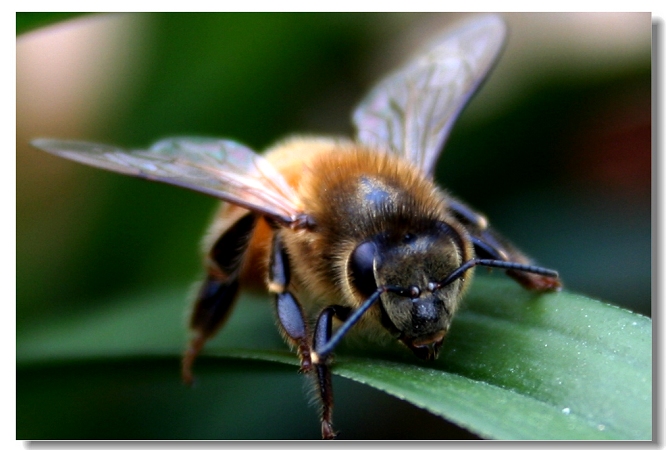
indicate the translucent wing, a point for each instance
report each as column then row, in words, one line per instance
column 220, row 168
column 411, row 112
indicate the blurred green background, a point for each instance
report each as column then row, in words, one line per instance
column 555, row 149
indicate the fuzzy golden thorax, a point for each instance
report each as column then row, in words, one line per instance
column 357, row 195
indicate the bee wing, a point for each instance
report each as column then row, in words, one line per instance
column 411, row 112
column 220, row 168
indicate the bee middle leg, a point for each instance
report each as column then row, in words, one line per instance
column 289, row 311
column 489, row 244
column 294, row 327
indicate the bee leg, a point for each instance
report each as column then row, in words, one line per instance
column 214, row 302
column 321, row 337
column 289, row 310
column 467, row 216
column 489, row 244
column 219, row 290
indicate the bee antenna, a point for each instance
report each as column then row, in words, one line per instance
column 507, row 265
column 354, row 317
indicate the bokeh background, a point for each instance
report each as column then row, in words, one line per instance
column 555, row 150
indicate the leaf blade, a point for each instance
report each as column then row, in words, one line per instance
column 515, row 366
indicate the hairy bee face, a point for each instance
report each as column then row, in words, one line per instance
column 415, row 262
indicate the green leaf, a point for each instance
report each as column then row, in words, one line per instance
column 515, row 365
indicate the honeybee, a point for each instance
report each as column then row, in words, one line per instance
column 358, row 227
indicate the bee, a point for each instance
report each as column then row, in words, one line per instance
column 357, row 230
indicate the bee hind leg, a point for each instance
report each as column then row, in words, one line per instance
column 214, row 302
column 217, row 294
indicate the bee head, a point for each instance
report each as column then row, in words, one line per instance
column 416, row 308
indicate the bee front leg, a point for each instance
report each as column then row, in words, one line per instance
column 289, row 310
column 322, row 336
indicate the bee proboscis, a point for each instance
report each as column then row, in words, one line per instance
column 358, row 227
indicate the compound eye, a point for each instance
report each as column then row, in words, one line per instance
column 361, row 268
